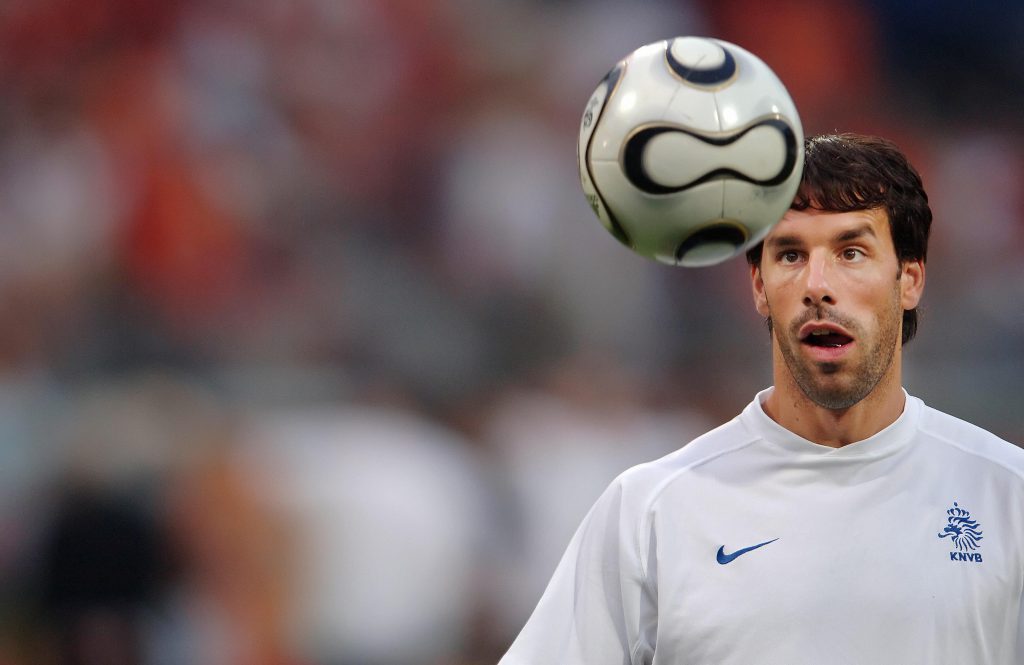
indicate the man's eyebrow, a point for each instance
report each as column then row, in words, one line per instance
column 790, row 241
column 784, row 242
column 854, row 233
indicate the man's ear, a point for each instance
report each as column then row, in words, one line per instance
column 911, row 283
column 757, row 285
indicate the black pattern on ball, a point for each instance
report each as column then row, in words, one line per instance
column 716, row 233
column 708, row 77
column 612, row 80
column 636, row 145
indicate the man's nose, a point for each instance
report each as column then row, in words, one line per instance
column 818, row 288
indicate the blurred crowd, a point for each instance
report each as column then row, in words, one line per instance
column 312, row 350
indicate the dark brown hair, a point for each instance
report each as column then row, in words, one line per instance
column 848, row 172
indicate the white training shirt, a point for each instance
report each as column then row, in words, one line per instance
column 752, row 545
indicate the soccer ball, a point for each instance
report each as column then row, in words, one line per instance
column 690, row 150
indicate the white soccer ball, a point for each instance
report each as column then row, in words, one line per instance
column 690, row 150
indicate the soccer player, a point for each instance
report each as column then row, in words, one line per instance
column 837, row 519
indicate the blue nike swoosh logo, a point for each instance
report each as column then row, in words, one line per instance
column 724, row 558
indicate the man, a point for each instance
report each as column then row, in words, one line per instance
column 836, row 519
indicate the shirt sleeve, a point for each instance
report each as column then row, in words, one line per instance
column 598, row 606
column 1020, row 632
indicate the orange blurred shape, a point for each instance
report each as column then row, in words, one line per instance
column 826, row 53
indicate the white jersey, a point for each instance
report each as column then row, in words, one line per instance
column 754, row 545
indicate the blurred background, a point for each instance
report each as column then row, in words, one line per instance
column 312, row 351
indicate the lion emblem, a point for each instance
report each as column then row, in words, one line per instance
column 965, row 531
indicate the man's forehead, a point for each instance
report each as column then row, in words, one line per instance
column 815, row 224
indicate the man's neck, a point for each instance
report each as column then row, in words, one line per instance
column 790, row 407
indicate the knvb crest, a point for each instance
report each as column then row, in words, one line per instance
column 965, row 534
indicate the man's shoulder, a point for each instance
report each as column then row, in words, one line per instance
column 971, row 439
column 711, row 447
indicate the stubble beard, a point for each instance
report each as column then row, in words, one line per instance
column 823, row 382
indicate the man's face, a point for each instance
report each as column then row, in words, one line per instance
column 835, row 292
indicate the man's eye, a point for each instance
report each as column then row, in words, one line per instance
column 789, row 257
column 852, row 254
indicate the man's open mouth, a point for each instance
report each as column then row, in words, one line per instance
column 824, row 335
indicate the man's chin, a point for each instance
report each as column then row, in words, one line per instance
column 829, row 368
